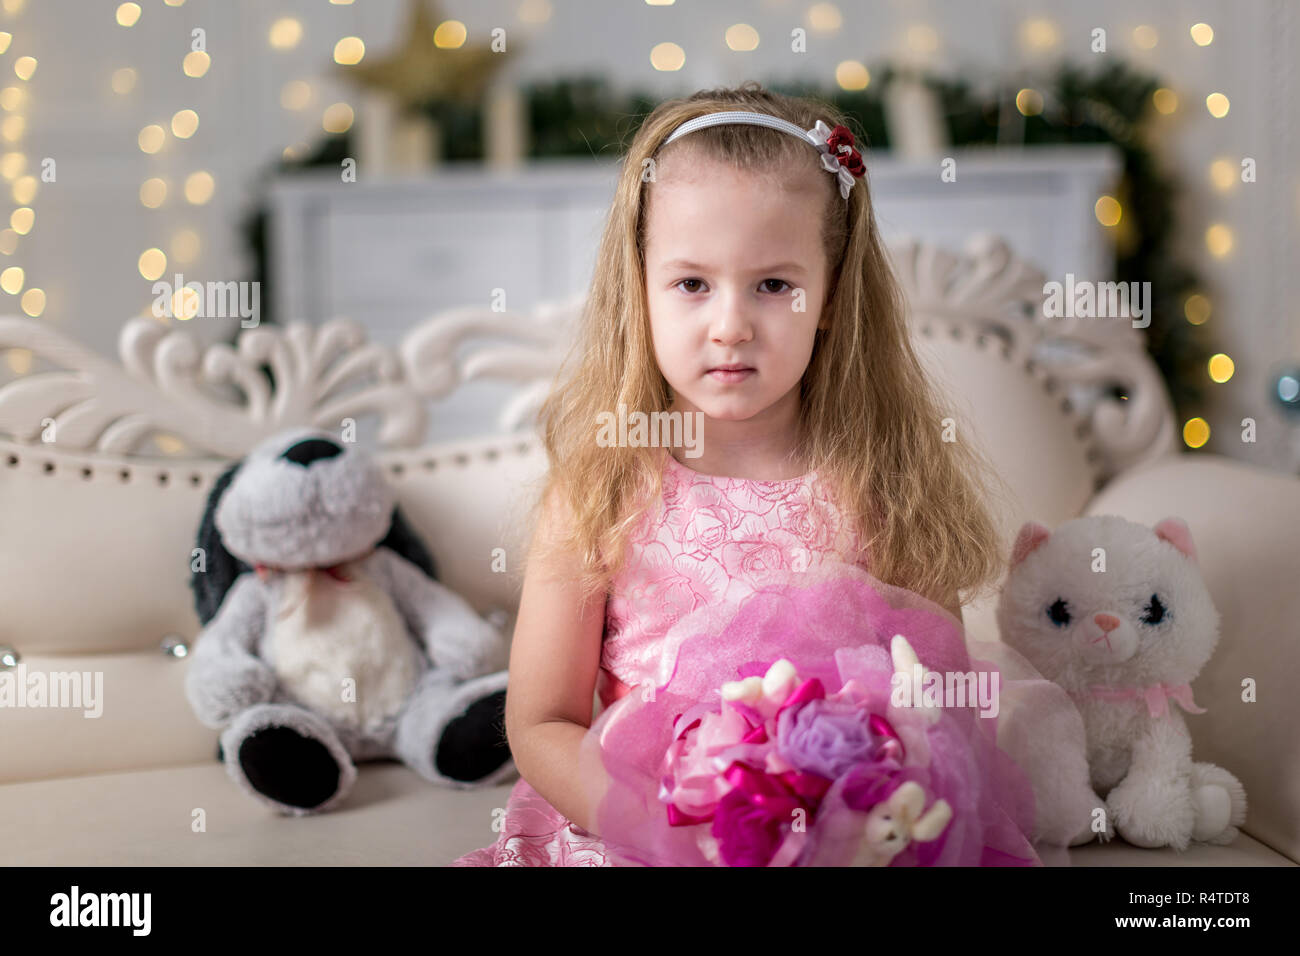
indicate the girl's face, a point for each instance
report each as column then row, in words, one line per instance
column 735, row 274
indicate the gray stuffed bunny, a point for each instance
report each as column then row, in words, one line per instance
column 326, row 639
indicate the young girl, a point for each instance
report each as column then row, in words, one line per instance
column 741, row 279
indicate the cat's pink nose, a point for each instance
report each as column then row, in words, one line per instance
column 1107, row 622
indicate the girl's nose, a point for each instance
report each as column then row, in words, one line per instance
column 729, row 324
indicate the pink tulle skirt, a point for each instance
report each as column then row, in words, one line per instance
column 835, row 624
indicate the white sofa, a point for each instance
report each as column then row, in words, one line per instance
column 95, row 538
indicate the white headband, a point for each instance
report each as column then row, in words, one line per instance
column 840, row 158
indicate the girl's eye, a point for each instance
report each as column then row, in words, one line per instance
column 765, row 283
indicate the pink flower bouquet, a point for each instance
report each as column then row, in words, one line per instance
column 784, row 732
column 760, row 768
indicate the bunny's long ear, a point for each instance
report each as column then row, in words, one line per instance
column 932, row 824
column 218, row 568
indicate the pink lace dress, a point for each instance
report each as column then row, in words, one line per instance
column 708, row 539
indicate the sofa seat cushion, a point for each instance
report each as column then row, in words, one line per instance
column 391, row 818
column 1244, row 851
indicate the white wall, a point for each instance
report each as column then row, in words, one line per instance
column 91, row 227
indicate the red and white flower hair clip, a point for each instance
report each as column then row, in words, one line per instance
column 835, row 145
column 838, row 155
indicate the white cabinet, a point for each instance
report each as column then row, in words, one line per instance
column 390, row 254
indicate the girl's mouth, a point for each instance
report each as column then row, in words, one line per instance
column 730, row 375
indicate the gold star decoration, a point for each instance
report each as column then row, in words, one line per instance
column 421, row 71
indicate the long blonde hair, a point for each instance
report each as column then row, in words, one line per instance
column 870, row 423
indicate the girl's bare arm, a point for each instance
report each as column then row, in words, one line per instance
column 554, row 658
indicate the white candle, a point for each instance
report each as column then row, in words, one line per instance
column 916, row 128
column 415, row 144
column 505, row 127
column 374, row 134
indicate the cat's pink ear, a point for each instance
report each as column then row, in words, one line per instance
column 1031, row 535
column 1176, row 532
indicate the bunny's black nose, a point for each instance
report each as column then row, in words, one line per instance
column 311, row 449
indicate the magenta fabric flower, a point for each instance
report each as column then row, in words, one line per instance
column 872, row 783
column 752, row 821
column 748, row 833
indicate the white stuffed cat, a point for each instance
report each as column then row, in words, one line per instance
column 1119, row 616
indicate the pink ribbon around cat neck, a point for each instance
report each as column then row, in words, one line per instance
column 1157, row 696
